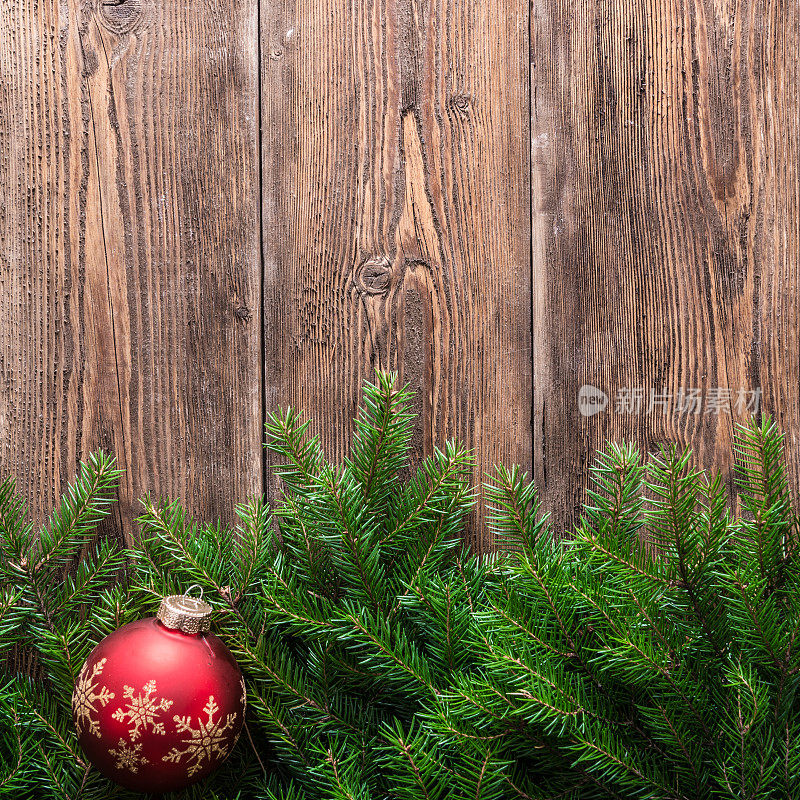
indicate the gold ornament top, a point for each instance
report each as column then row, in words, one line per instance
column 183, row 613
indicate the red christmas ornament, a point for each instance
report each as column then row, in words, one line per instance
column 159, row 703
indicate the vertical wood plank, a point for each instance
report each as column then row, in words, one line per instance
column 397, row 215
column 129, row 247
column 666, row 251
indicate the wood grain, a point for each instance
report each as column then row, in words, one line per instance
column 396, row 215
column 665, row 223
column 129, row 247
column 502, row 203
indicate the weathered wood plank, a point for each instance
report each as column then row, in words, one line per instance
column 666, row 250
column 396, row 214
column 129, row 247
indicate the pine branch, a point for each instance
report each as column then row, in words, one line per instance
column 428, row 495
column 768, row 534
column 286, row 437
column 650, row 653
column 382, row 439
column 15, row 529
column 86, row 501
column 515, row 517
column 169, row 532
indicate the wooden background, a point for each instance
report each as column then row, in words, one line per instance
column 209, row 209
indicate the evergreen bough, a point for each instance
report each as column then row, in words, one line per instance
column 649, row 653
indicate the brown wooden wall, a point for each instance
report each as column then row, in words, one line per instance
column 210, row 209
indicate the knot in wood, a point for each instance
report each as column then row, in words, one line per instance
column 461, row 103
column 121, row 16
column 374, row 276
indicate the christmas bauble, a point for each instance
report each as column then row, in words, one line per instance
column 159, row 703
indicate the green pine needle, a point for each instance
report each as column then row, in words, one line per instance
column 649, row 653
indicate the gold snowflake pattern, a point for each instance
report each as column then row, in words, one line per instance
column 128, row 756
column 243, row 701
column 87, row 693
column 142, row 710
column 207, row 741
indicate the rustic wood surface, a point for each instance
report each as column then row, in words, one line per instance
column 129, row 257
column 665, row 225
column 211, row 209
column 397, row 216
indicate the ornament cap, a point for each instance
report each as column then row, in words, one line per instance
column 183, row 613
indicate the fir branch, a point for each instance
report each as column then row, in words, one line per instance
column 429, row 492
column 652, row 654
column 287, row 437
column 514, row 510
column 84, row 504
column 168, row 525
column 382, row 438
column 15, row 528
column 266, row 709
column 254, row 545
